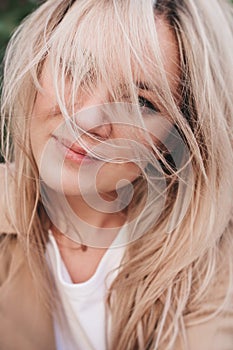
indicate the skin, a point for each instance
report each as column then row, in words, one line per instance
column 47, row 119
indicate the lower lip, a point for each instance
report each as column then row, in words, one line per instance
column 73, row 156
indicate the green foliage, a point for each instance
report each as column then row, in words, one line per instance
column 11, row 13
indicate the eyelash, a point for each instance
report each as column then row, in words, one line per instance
column 144, row 103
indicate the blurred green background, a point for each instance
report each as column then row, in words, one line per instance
column 11, row 14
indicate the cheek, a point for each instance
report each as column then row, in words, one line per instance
column 39, row 136
column 41, row 130
column 42, row 122
column 36, row 138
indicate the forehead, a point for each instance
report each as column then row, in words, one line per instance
column 169, row 50
column 169, row 54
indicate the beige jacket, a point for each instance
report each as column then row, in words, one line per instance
column 25, row 324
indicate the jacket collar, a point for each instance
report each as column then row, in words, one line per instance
column 25, row 322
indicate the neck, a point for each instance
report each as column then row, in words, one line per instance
column 81, row 261
column 96, row 214
column 94, row 221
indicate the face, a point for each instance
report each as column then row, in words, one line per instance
column 63, row 159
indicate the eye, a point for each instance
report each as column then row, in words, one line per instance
column 144, row 103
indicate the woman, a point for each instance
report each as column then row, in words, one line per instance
column 116, row 193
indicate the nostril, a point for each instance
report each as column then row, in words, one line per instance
column 93, row 120
column 101, row 132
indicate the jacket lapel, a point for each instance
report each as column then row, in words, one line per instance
column 25, row 323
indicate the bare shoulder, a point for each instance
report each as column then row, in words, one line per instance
column 6, row 194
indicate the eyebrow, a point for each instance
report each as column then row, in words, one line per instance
column 143, row 86
column 140, row 85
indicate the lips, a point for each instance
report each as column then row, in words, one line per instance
column 72, row 151
column 72, row 146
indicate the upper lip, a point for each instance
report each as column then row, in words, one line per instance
column 72, row 146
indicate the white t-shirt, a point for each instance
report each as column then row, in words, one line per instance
column 85, row 324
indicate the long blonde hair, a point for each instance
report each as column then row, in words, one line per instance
column 168, row 277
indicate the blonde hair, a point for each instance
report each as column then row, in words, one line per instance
column 168, row 277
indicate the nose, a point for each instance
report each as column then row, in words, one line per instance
column 92, row 118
